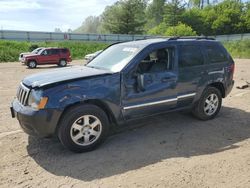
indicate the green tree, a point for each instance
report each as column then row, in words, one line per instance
column 90, row 25
column 200, row 3
column 125, row 17
column 246, row 16
column 180, row 30
column 224, row 18
column 158, row 30
column 173, row 11
column 193, row 18
column 154, row 13
column 194, row 3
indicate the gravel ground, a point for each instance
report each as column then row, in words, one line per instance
column 174, row 150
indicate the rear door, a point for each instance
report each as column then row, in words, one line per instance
column 192, row 72
column 54, row 56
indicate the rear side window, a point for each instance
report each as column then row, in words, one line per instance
column 215, row 54
column 190, row 55
column 64, row 51
column 54, row 51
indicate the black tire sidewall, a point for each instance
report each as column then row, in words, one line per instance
column 199, row 108
column 69, row 118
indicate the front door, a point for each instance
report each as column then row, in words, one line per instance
column 44, row 57
column 54, row 56
column 151, row 87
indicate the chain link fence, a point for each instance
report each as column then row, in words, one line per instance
column 110, row 38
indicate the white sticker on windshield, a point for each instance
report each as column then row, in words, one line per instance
column 127, row 49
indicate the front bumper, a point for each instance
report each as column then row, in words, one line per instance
column 40, row 123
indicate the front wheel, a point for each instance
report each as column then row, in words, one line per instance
column 209, row 104
column 83, row 128
column 32, row 64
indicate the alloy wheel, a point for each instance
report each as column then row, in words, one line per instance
column 211, row 104
column 86, row 130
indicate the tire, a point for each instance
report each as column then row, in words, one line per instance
column 83, row 128
column 205, row 109
column 62, row 63
column 32, row 64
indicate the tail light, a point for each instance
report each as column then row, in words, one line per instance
column 232, row 69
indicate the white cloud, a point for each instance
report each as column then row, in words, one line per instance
column 7, row 6
column 46, row 14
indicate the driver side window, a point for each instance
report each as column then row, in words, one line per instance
column 159, row 60
column 45, row 52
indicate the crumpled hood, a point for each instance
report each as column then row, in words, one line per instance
column 61, row 74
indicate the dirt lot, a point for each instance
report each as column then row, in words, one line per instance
column 173, row 150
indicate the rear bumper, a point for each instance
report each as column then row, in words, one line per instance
column 229, row 87
column 40, row 123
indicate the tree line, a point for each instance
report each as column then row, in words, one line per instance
column 171, row 17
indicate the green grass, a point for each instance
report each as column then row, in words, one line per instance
column 10, row 50
column 238, row 49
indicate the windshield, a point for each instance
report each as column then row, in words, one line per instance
column 36, row 51
column 40, row 51
column 114, row 58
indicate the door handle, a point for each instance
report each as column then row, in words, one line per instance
column 129, row 86
column 167, row 79
column 149, row 81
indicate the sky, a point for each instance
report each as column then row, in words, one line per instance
column 46, row 15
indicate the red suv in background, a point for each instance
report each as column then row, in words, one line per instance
column 59, row 56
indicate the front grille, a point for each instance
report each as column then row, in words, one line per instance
column 23, row 94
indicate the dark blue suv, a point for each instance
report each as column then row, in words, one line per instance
column 126, row 81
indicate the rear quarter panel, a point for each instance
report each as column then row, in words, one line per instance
column 215, row 72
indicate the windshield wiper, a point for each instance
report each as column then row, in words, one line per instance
column 93, row 67
column 100, row 68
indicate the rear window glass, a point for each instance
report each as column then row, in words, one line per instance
column 215, row 54
column 190, row 55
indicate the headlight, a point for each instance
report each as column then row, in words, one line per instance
column 36, row 100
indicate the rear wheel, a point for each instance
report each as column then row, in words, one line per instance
column 32, row 64
column 62, row 63
column 83, row 128
column 209, row 104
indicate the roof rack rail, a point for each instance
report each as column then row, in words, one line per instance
column 192, row 37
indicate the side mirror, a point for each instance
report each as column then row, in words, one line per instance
column 140, row 82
